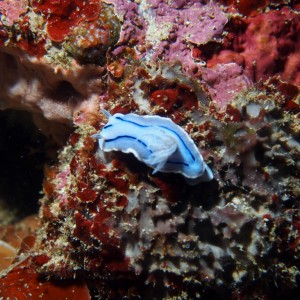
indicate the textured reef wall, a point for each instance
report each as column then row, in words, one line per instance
column 109, row 228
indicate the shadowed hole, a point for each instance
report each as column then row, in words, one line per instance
column 22, row 157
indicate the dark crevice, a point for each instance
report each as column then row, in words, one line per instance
column 22, row 158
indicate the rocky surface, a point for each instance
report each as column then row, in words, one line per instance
column 108, row 227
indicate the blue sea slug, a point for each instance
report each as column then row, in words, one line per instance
column 156, row 141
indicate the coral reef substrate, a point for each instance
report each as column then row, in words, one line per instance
column 228, row 74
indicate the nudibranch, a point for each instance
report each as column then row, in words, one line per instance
column 156, row 141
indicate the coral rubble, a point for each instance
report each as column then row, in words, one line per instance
column 108, row 227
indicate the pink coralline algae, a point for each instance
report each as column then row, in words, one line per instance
column 272, row 46
column 224, row 80
column 13, row 12
column 108, row 227
column 182, row 31
column 255, row 7
column 266, row 45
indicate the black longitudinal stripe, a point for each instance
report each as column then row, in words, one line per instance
column 133, row 138
column 128, row 137
column 144, row 126
column 107, row 126
column 177, row 163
